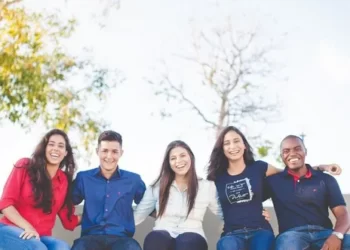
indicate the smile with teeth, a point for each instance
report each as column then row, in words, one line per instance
column 233, row 152
column 294, row 159
column 53, row 155
column 180, row 166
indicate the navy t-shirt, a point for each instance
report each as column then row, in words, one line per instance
column 241, row 198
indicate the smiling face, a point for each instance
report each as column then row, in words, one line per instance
column 233, row 146
column 180, row 161
column 55, row 150
column 293, row 153
column 109, row 153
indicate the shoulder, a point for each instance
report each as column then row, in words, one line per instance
column 129, row 174
column 205, row 183
column 89, row 172
column 22, row 163
column 260, row 164
column 329, row 179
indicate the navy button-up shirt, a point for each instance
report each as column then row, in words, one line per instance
column 305, row 201
column 108, row 202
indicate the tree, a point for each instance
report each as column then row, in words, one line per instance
column 37, row 75
column 232, row 70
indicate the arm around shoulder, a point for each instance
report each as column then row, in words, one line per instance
column 214, row 203
column 147, row 205
column 69, row 222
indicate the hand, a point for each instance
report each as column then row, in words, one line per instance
column 29, row 233
column 266, row 215
column 332, row 243
column 333, row 169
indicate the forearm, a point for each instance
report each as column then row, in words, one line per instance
column 342, row 224
column 12, row 215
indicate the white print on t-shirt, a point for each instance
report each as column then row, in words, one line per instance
column 239, row 191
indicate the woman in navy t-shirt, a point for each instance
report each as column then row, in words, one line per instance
column 239, row 181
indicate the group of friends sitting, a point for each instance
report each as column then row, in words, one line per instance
column 43, row 186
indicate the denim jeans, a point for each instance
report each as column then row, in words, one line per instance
column 244, row 239
column 307, row 237
column 162, row 240
column 105, row 242
column 9, row 240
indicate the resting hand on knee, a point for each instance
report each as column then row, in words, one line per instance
column 29, row 233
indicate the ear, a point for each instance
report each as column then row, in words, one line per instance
column 66, row 153
column 97, row 151
column 121, row 153
column 305, row 151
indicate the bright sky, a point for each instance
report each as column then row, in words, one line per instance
column 313, row 38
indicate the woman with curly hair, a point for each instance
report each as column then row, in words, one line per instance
column 38, row 189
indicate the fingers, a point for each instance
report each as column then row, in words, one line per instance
column 26, row 235
column 336, row 169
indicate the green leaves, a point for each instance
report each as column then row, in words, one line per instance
column 35, row 74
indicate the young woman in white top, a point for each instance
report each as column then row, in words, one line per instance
column 181, row 200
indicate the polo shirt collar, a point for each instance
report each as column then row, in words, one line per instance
column 310, row 172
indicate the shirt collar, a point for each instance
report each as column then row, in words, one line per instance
column 117, row 174
column 310, row 172
column 59, row 175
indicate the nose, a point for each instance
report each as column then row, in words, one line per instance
column 109, row 155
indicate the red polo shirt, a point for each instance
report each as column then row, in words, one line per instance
column 18, row 192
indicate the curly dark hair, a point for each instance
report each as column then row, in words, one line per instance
column 218, row 162
column 40, row 179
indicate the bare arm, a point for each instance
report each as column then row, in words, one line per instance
column 333, row 169
column 342, row 224
column 12, row 215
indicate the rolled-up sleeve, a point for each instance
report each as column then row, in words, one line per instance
column 68, row 223
column 12, row 188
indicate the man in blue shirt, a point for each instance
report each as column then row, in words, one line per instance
column 108, row 193
column 301, row 198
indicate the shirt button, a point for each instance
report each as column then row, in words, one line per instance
column 107, row 181
column 298, row 180
column 107, row 195
column 106, row 210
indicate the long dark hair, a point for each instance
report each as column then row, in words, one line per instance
column 167, row 176
column 218, row 162
column 40, row 179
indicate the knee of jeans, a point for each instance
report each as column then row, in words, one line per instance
column 132, row 244
column 34, row 244
column 346, row 242
column 60, row 245
column 80, row 244
column 289, row 240
column 227, row 243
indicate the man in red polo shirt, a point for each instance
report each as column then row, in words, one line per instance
column 301, row 198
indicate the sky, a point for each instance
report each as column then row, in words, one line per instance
column 312, row 84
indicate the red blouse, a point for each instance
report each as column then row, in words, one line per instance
column 17, row 192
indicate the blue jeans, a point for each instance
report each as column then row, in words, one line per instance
column 307, row 237
column 9, row 240
column 252, row 239
column 162, row 240
column 105, row 242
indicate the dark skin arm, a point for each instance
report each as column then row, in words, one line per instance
column 342, row 225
